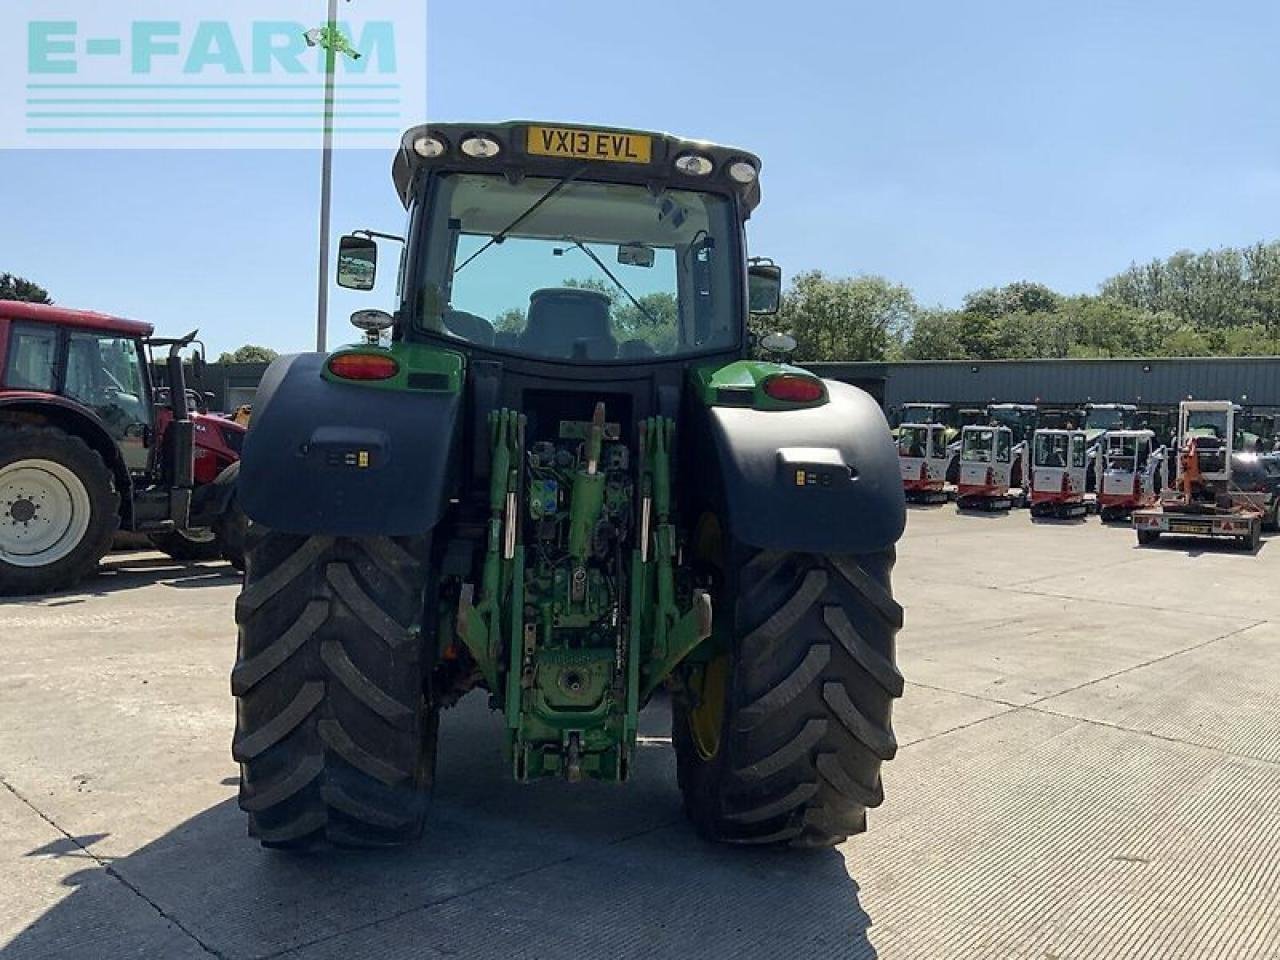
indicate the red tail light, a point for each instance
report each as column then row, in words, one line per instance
column 794, row 388
column 363, row 366
column 924, row 471
column 991, row 477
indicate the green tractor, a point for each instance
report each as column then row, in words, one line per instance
column 555, row 475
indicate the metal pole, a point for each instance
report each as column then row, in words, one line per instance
column 326, row 184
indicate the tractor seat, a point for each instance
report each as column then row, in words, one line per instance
column 468, row 326
column 569, row 322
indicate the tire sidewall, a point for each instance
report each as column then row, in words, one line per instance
column 37, row 443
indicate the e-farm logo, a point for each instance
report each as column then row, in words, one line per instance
column 207, row 74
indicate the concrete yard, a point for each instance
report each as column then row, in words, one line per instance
column 1089, row 768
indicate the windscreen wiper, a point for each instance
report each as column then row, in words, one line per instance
column 616, row 282
column 502, row 234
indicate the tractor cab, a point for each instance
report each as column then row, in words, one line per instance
column 929, row 413
column 1020, row 418
column 923, row 459
column 986, row 467
column 1131, row 472
column 85, row 380
column 1058, row 473
column 1099, row 418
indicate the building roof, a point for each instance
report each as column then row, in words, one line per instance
column 67, row 317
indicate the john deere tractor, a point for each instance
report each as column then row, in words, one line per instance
column 554, row 474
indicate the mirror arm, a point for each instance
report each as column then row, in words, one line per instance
column 377, row 235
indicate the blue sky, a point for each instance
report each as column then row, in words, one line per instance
column 945, row 145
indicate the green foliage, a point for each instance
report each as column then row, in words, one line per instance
column 1020, row 297
column 1218, row 303
column 848, row 318
column 17, row 288
column 249, row 353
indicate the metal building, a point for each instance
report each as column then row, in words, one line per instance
column 1250, row 381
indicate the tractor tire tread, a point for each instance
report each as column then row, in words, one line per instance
column 807, row 720
column 245, row 675
column 334, row 732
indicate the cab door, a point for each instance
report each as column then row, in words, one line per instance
column 105, row 372
column 938, row 458
column 1078, row 463
column 1002, row 462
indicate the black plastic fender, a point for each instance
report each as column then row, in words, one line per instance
column 345, row 459
column 817, row 480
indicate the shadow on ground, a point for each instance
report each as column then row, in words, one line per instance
column 546, row 870
column 122, row 571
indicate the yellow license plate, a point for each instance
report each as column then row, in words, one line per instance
column 590, row 144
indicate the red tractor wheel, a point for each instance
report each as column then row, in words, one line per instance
column 58, row 509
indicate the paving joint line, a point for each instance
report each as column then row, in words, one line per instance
column 1160, row 659
column 1034, row 705
column 1090, row 568
column 1163, row 737
column 432, row 904
column 110, row 871
column 1105, row 603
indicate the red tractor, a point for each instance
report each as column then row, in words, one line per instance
column 89, row 445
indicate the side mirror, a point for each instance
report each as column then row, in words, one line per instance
column 198, row 366
column 764, row 288
column 357, row 263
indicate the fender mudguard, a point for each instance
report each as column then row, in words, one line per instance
column 345, row 459
column 817, row 480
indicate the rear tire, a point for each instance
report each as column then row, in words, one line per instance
column 334, row 734
column 232, row 528
column 48, row 475
column 807, row 696
column 188, row 546
column 1147, row 537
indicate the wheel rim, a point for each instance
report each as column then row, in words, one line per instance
column 44, row 512
column 202, row 535
column 706, row 719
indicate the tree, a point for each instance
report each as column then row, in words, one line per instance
column 510, row 320
column 1022, row 296
column 17, row 288
column 249, row 353
column 849, row 318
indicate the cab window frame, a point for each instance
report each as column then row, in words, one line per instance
column 426, row 194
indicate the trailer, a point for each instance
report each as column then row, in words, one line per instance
column 923, row 459
column 1203, row 501
column 1058, row 474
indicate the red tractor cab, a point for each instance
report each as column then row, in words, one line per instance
column 89, row 445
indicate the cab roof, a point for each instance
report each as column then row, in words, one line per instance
column 67, row 317
column 514, row 138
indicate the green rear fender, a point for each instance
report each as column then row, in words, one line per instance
column 333, row 456
column 818, row 478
